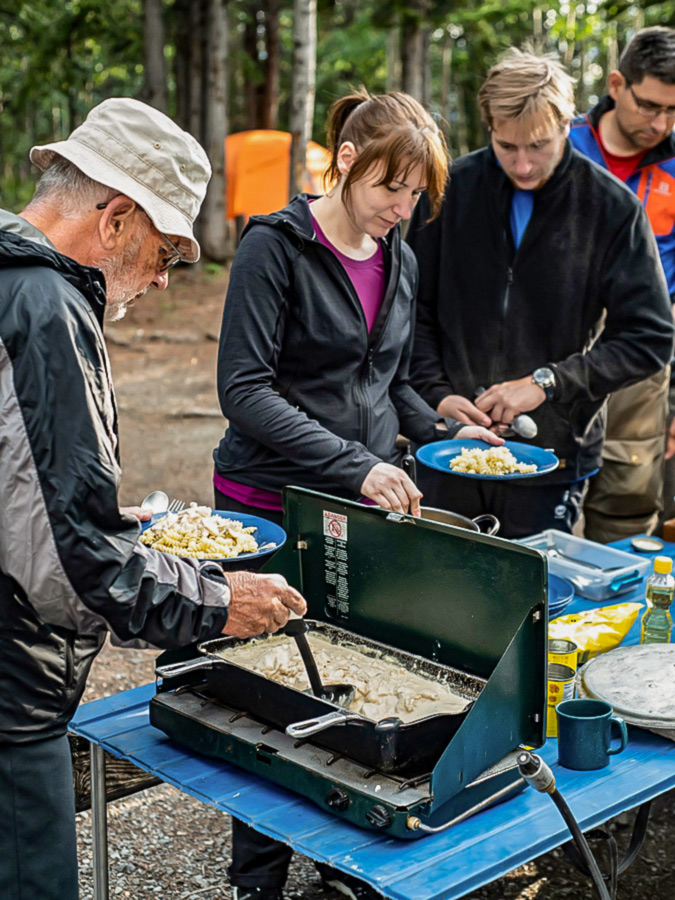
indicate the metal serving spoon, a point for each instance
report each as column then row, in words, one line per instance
column 157, row 501
column 523, row 425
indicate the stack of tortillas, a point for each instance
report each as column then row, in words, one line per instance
column 638, row 681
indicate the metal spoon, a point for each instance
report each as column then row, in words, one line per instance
column 523, row 425
column 157, row 501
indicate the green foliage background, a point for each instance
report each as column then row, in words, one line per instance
column 59, row 58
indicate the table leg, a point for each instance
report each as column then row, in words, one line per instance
column 99, row 822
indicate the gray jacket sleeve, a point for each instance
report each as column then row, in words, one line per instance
column 62, row 537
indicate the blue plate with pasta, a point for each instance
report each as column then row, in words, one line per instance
column 268, row 536
column 442, row 454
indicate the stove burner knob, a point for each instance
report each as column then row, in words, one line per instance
column 338, row 799
column 379, row 816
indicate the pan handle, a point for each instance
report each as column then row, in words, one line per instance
column 182, row 668
column 494, row 523
column 320, row 723
column 409, row 466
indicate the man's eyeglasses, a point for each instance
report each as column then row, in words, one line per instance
column 166, row 260
column 650, row 110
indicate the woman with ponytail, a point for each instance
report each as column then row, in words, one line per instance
column 315, row 342
column 314, row 354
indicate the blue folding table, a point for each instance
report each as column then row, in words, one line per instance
column 438, row 867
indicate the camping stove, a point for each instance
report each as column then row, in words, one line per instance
column 463, row 601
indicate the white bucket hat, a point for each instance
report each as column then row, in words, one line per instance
column 134, row 149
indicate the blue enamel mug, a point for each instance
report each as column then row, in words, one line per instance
column 585, row 734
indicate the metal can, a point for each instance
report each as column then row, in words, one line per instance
column 563, row 652
column 560, row 687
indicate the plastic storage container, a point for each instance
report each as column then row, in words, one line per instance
column 598, row 572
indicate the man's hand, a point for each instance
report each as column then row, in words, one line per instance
column 670, row 441
column 391, row 488
column 458, row 407
column 509, row 399
column 475, row 433
column 143, row 514
column 260, row 603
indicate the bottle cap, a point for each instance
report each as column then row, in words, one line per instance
column 663, row 564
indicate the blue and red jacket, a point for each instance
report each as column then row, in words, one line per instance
column 653, row 182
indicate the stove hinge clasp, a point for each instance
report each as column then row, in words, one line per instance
column 398, row 518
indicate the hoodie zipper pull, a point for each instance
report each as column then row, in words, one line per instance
column 370, row 366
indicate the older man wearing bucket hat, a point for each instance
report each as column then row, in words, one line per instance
column 113, row 211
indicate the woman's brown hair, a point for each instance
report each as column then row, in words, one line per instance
column 392, row 129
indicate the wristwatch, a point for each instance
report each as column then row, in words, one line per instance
column 545, row 379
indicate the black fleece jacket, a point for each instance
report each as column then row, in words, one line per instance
column 584, row 295
column 312, row 398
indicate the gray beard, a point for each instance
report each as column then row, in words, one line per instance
column 119, row 271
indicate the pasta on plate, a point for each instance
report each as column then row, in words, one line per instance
column 196, row 532
column 494, row 461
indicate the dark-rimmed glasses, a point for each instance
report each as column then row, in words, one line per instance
column 168, row 261
column 650, row 110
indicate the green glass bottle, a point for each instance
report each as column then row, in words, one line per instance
column 657, row 623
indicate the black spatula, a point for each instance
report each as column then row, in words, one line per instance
column 341, row 694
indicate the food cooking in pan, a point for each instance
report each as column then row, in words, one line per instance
column 382, row 686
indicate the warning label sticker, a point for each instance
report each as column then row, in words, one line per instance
column 336, row 564
column 334, row 525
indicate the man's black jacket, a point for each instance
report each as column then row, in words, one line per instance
column 584, row 294
column 312, row 398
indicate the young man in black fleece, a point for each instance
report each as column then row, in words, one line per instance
column 540, row 292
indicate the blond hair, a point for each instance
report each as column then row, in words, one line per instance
column 523, row 85
column 392, row 129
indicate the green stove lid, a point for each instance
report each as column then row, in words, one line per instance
column 443, row 592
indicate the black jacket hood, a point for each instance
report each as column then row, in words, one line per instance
column 296, row 220
column 16, row 250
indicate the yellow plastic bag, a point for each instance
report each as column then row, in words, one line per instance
column 596, row 630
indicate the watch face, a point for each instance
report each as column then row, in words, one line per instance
column 544, row 377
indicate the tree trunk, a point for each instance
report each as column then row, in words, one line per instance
column 154, row 87
column 196, row 69
column 446, row 82
column 251, row 84
column 302, row 89
column 425, row 39
column 269, row 111
column 182, row 62
column 214, row 227
column 412, row 49
column 393, row 78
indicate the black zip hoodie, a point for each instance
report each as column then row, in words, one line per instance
column 312, row 398
column 584, row 294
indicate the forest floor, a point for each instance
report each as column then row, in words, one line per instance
column 164, row 843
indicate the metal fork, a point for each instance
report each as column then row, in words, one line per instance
column 176, row 506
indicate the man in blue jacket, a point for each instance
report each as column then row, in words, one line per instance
column 630, row 133
column 540, row 292
column 113, row 212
